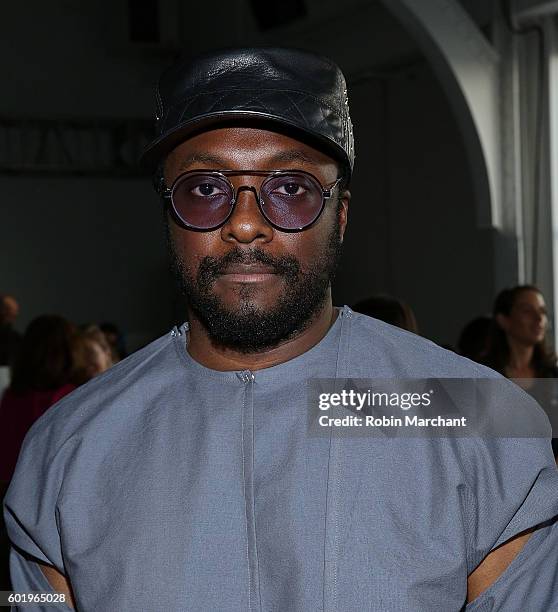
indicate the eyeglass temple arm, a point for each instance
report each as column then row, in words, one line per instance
column 328, row 192
column 161, row 187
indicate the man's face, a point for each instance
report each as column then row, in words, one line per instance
column 251, row 285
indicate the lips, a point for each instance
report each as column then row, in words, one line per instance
column 248, row 269
column 243, row 273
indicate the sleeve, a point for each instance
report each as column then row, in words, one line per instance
column 514, row 483
column 530, row 582
column 27, row 576
column 30, row 504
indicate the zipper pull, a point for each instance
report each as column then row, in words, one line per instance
column 246, row 376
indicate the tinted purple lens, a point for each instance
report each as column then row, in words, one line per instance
column 202, row 201
column 291, row 201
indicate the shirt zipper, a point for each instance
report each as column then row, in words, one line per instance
column 248, row 443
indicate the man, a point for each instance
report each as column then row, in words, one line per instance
column 10, row 339
column 185, row 478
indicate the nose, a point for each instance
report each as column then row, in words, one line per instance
column 246, row 223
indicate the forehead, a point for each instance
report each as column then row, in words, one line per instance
column 247, row 148
column 529, row 298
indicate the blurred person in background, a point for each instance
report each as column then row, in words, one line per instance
column 116, row 341
column 43, row 373
column 100, row 349
column 10, row 339
column 390, row 310
column 518, row 347
column 476, row 338
column 93, row 356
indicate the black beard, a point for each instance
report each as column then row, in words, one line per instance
column 250, row 329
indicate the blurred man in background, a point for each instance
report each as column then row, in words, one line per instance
column 10, row 339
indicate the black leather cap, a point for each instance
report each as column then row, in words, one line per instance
column 304, row 93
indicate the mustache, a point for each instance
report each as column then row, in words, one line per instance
column 212, row 267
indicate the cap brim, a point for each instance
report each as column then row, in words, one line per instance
column 157, row 150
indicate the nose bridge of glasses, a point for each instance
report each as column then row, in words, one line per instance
column 252, row 188
column 247, row 204
column 246, row 181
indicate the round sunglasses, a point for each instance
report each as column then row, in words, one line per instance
column 290, row 200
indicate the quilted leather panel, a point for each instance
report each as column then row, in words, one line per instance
column 304, row 91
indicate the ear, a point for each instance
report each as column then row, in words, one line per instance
column 345, row 198
column 502, row 321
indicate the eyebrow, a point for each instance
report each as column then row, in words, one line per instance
column 202, row 158
column 293, row 155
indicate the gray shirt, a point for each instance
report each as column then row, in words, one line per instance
column 165, row 485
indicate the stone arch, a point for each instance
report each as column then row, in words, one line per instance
column 468, row 69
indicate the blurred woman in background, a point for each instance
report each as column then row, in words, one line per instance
column 96, row 351
column 518, row 349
